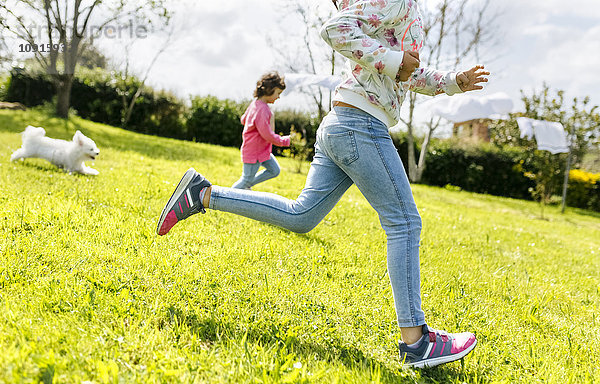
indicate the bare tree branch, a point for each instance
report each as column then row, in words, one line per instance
column 70, row 22
column 89, row 11
column 137, row 94
column 310, row 55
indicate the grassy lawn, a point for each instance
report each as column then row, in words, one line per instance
column 89, row 293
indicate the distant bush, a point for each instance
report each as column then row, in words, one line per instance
column 99, row 96
column 502, row 171
column 215, row 121
column 481, row 168
column 584, row 190
column 302, row 123
column 95, row 97
column 4, row 84
column 104, row 96
column 29, row 89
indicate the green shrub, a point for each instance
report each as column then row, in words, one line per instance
column 95, row 97
column 502, row 171
column 482, row 169
column 584, row 190
column 29, row 89
column 546, row 171
column 99, row 96
column 287, row 121
column 215, row 121
column 103, row 96
column 479, row 168
column 4, row 84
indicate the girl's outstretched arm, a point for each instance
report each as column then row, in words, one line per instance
column 263, row 125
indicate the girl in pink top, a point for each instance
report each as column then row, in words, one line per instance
column 259, row 133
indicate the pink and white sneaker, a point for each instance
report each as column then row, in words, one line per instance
column 184, row 202
column 437, row 347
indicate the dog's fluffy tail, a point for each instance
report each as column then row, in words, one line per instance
column 27, row 136
column 31, row 131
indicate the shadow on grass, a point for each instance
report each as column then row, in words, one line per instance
column 271, row 336
column 585, row 212
column 47, row 167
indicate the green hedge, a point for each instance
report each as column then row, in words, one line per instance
column 481, row 169
column 217, row 121
column 301, row 122
column 29, row 89
column 401, row 143
column 4, row 84
column 98, row 96
column 485, row 168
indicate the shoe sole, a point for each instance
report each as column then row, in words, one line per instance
column 441, row 360
column 188, row 176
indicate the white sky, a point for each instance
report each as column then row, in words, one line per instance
column 220, row 48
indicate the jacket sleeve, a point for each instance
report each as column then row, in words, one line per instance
column 350, row 32
column 431, row 82
column 262, row 122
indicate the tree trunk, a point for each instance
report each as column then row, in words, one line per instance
column 421, row 166
column 424, row 149
column 412, row 163
column 63, row 101
column 412, row 166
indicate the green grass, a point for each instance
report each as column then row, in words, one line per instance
column 88, row 292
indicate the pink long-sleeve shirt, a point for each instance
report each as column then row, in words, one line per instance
column 258, row 137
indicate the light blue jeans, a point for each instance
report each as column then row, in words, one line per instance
column 250, row 178
column 351, row 147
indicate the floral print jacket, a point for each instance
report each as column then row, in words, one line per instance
column 373, row 34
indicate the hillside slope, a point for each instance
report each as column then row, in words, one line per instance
column 89, row 293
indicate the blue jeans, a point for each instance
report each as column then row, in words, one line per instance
column 351, row 147
column 250, row 178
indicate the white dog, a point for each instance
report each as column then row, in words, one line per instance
column 68, row 155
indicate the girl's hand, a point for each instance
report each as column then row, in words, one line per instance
column 410, row 62
column 468, row 80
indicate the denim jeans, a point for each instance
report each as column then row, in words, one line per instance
column 351, row 147
column 250, row 178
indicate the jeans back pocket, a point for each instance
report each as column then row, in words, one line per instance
column 342, row 147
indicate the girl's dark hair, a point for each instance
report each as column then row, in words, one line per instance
column 267, row 84
column 335, row 3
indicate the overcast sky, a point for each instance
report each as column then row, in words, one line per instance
column 220, row 48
